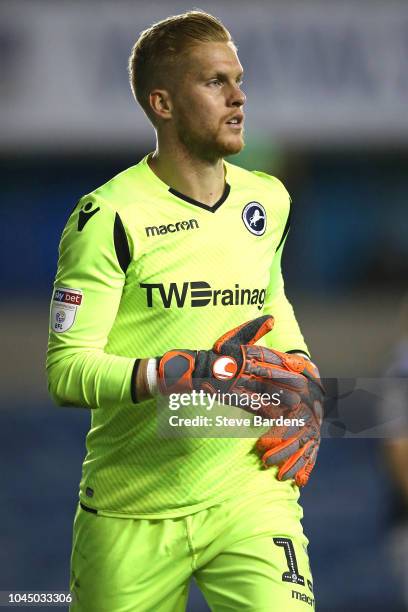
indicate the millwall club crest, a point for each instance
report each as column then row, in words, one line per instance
column 254, row 218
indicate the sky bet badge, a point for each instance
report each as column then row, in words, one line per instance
column 65, row 303
column 254, row 218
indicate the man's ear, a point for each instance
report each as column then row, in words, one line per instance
column 160, row 103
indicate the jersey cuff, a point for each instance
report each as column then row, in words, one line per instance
column 133, row 391
column 299, row 352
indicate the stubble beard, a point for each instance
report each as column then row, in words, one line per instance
column 208, row 146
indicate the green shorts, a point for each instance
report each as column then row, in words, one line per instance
column 245, row 554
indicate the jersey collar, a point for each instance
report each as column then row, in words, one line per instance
column 186, row 198
column 212, row 208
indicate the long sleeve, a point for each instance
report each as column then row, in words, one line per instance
column 90, row 278
column 286, row 335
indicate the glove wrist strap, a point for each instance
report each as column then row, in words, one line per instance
column 151, row 376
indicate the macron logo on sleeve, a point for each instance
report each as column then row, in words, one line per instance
column 85, row 214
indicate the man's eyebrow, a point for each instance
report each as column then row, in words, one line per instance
column 219, row 74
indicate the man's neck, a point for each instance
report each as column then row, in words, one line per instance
column 199, row 179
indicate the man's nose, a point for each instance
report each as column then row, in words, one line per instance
column 238, row 98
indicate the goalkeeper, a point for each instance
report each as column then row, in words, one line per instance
column 171, row 254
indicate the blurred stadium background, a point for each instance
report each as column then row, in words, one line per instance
column 327, row 87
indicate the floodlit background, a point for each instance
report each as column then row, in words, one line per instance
column 327, row 88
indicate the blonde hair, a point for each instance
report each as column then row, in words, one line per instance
column 158, row 48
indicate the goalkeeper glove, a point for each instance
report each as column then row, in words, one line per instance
column 236, row 367
column 228, row 367
column 294, row 448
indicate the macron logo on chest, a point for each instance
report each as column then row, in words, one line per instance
column 171, row 228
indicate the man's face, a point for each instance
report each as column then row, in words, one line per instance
column 208, row 101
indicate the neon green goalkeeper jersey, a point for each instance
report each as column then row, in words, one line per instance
column 144, row 269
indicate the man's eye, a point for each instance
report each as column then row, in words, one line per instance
column 215, row 82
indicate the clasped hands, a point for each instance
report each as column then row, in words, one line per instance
column 236, row 366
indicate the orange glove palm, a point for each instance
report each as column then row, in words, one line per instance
column 294, row 448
